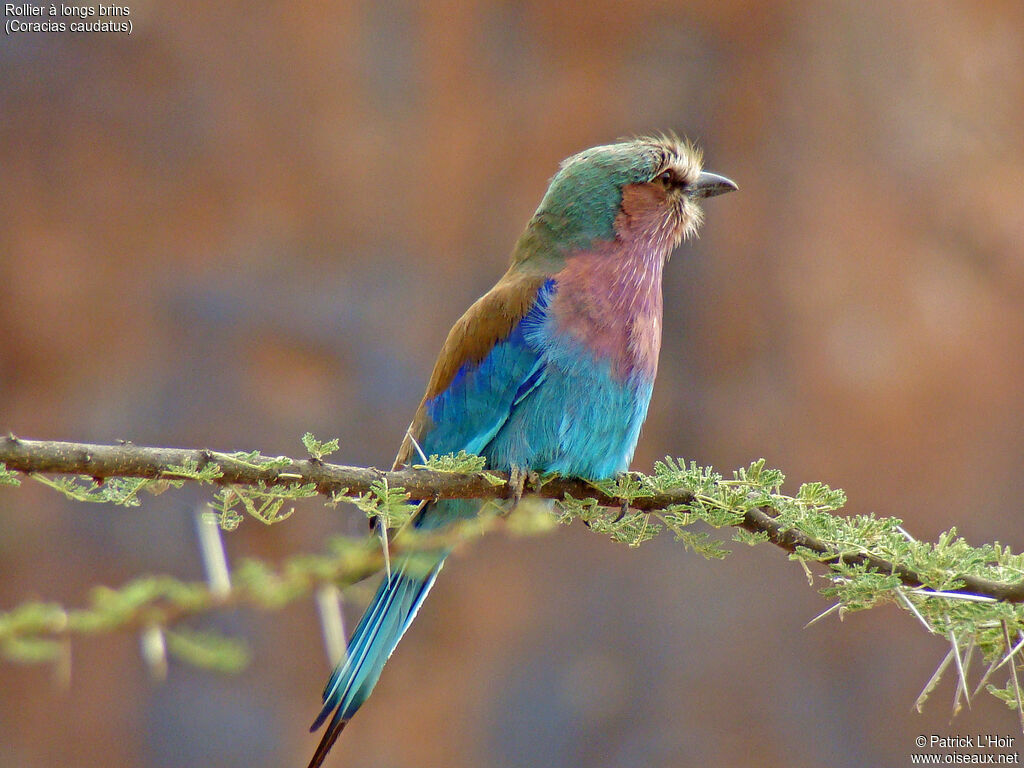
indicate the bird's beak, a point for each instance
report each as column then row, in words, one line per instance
column 711, row 184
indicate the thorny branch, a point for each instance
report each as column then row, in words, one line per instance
column 128, row 460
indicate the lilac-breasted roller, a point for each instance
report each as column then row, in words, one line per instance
column 552, row 369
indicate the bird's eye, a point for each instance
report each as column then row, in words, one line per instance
column 670, row 179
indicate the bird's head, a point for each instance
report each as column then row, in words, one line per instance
column 646, row 189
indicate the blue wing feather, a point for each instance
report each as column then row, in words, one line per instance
column 476, row 404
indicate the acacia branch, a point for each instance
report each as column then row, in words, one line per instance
column 128, row 460
column 760, row 521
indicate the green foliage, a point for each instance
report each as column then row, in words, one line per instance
column 259, row 501
column 176, row 474
column 630, row 529
column 627, row 486
column 23, row 632
column 7, row 477
column 225, row 510
column 122, row 491
column 318, row 450
column 389, row 505
column 461, row 463
column 455, row 462
column 30, row 650
column 701, row 543
column 32, row 632
column 750, row 539
column 208, row 650
column 1007, row 694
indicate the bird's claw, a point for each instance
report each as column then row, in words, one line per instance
column 623, row 511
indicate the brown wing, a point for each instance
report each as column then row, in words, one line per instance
column 489, row 320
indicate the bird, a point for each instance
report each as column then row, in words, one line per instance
column 550, row 371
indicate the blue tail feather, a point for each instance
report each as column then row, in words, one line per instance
column 375, row 637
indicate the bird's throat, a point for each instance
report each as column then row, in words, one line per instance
column 609, row 301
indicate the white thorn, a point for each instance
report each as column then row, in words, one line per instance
column 913, row 609
column 382, row 532
column 154, row 651
column 416, row 445
column 962, row 682
column 952, row 595
column 985, row 677
column 1010, row 655
column 906, row 535
column 1013, row 675
column 328, row 605
column 211, row 547
column 933, row 681
column 823, row 614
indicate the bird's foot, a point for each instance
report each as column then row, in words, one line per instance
column 518, row 480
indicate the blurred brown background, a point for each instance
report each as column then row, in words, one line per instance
column 249, row 220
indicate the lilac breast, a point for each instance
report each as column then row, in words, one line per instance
column 609, row 301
